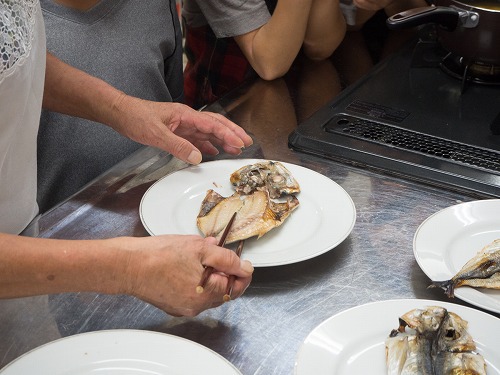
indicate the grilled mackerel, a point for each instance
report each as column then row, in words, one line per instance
column 482, row 271
column 437, row 343
column 256, row 214
column 255, row 201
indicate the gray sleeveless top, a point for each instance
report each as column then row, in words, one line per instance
column 134, row 45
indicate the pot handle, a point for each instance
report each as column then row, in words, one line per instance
column 443, row 16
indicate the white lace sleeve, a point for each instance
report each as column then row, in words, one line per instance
column 16, row 32
column 22, row 72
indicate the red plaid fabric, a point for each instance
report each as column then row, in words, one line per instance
column 214, row 66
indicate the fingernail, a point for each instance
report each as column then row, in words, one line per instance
column 246, row 266
column 239, row 145
column 194, row 157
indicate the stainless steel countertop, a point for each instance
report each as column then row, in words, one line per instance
column 261, row 332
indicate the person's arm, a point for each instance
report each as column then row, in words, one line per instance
column 173, row 127
column 272, row 48
column 325, row 31
column 161, row 270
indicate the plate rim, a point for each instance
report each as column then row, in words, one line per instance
column 419, row 260
column 402, row 301
column 345, row 195
column 119, row 331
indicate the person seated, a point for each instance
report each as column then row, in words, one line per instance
column 228, row 41
column 144, row 61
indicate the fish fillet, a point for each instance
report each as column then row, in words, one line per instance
column 256, row 214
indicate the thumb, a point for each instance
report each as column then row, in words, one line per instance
column 226, row 261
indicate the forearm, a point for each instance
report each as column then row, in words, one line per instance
column 325, row 29
column 76, row 93
column 272, row 49
column 34, row 266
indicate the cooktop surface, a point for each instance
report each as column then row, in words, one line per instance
column 409, row 118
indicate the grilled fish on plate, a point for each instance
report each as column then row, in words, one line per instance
column 437, row 343
column 256, row 214
column 268, row 175
column 258, row 187
column 482, row 271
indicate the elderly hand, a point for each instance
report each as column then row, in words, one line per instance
column 162, row 270
column 173, row 127
column 165, row 271
column 178, row 129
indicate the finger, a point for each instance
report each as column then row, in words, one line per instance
column 225, row 260
column 232, row 150
column 207, row 148
column 181, row 148
column 211, row 240
column 216, row 285
column 239, row 286
column 239, row 131
column 223, row 129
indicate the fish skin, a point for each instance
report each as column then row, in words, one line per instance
column 212, row 198
column 461, row 364
column 454, row 336
column 220, row 209
column 492, row 282
column 439, row 344
column 455, row 349
column 272, row 176
column 256, row 215
column 414, row 363
column 427, row 323
column 396, row 352
column 405, row 356
column 485, row 265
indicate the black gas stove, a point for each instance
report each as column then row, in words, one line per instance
column 415, row 115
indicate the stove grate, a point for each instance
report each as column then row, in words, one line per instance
column 413, row 141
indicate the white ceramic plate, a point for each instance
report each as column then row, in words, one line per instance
column 448, row 239
column 124, row 352
column 324, row 218
column 353, row 341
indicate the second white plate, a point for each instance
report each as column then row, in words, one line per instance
column 445, row 241
column 325, row 217
column 353, row 341
column 121, row 352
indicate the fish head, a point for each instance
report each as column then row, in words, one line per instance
column 425, row 320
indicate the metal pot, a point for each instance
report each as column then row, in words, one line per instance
column 469, row 28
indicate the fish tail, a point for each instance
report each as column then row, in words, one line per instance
column 448, row 286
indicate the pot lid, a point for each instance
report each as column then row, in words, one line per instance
column 492, row 5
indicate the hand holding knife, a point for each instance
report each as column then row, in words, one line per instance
column 209, row 270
